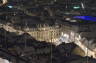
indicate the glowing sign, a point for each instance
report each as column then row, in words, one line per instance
column 89, row 18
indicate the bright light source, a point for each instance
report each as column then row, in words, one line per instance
column 76, row 7
column 64, row 38
column 68, row 19
column 86, row 18
column 10, row 6
column 82, row 5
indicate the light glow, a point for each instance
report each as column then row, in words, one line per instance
column 88, row 18
column 10, row 6
column 76, row 7
column 82, row 5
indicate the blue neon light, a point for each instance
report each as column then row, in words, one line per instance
column 89, row 18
